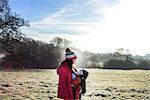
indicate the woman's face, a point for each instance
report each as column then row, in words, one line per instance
column 74, row 61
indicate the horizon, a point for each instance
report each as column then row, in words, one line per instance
column 97, row 26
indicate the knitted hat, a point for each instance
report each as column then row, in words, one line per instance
column 70, row 55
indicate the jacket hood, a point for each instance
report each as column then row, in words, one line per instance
column 62, row 67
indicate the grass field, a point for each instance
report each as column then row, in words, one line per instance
column 101, row 85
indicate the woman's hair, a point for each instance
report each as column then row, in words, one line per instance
column 67, row 50
column 69, row 62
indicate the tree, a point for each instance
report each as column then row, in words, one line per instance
column 94, row 60
column 10, row 23
column 119, row 64
column 60, row 42
column 143, row 64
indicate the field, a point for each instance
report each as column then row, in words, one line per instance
column 101, row 85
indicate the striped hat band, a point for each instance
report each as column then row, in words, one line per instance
column 70, row 55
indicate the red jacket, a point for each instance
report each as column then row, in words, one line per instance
column 64, row 85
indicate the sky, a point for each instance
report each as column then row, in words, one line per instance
column 98, row 26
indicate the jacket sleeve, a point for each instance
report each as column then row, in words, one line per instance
column 63, row 83
column 77, row 80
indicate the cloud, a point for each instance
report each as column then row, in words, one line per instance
column 74, row 18
column 99, row 25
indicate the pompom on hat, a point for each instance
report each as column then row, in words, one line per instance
column 70, row 55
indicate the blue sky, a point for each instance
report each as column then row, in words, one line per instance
column 35, row 10
column 93, row 25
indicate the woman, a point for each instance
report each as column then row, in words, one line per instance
column 68, row 87
column 76, row 87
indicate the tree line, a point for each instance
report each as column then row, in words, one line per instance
column 120, row 59
column 23, row 52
